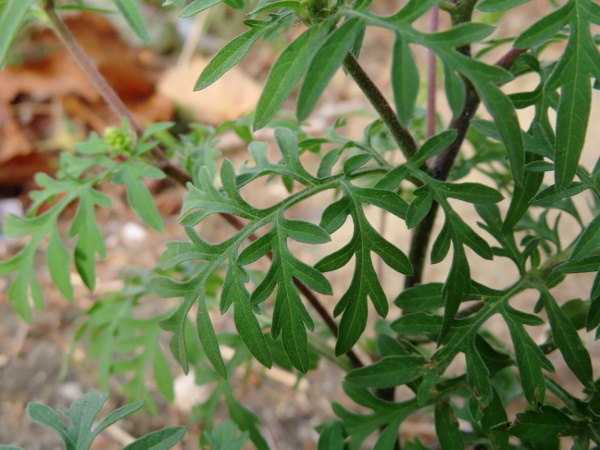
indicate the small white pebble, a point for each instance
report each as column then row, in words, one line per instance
column 188, row 393
column 132, row 232
column 70, row 391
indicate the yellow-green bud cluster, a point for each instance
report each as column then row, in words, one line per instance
column 118, row 139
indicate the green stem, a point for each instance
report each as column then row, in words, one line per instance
column 403, row 138
column 463, row 11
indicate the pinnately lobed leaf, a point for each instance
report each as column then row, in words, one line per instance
column 579, row 61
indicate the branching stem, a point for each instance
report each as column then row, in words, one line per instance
column 403, row 138
column 120, row 109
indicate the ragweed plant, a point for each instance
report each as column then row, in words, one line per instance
column 423, row 326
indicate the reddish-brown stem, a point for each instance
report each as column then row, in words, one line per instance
column 431, row 76
column 120, row 109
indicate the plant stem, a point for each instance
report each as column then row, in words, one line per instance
column 441, row 169
column 403, row 138
column 431, row 76
column 463, row 11
column 89, row 68
column 120, row 109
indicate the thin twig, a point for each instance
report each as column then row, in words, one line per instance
column 116, row 104
column 89, row 68
column 403, row 138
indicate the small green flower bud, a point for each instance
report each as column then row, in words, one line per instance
column 118, row 139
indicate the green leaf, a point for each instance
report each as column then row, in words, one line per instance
column 245, row 320
column 208, row 338
column 365, row 239
column 256, row 249
column 355, row 162
column 245, row 420
column 568, row 342
column 462, row 233
column 433, row 146
column 331, row 436
column 470, row 192
column 225, row 437
column 290, row 315
column 81, row 416
column 117, row 415
column 388, row 372
column 414, row 9
column 551, row 195
column 522, row 195
column 441, row 245
column 405, row 79
column 197, row 6
column 47, row 417
column 421, row 297
column 478, row 377
column 288, row 143
column 501, row 109
column 416, row 323
column 305, row 232
column 499, row 5
column 11, row 20
column 446, row 427
column 230, row 55
column 530, row 361
column 385, row 415
column 588, row 242
column 15, row 226
column 134, row 19
column 461, row 34
column 89, row 239
column 455, row 90
column 579, row 62
column 163, row 375
column 393, row 178
column 325, row 63
column 290, row 4
column 287, row 71
column 158, row 440
column 456, row 288
column 593, row 315
column 545, row 28
column 58, row 265
column 545, row 425
column 493, row 415
column 138, row 195
column 156, row 128
column 419, row 207
column 335, row 215
column 382, row 198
